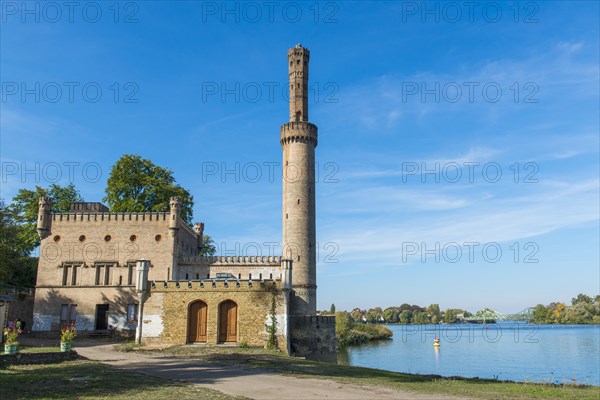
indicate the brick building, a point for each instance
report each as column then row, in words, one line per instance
column 86, row 271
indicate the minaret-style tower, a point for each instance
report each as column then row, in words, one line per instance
column 298, row 140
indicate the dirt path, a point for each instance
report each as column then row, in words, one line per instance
column 238, row 380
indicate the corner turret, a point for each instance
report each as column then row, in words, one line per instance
column 199, row 229
column 44, row 219
column 175, row 210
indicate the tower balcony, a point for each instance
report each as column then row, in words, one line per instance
column 298, row 132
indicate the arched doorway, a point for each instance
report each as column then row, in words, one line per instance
column 227, row 322
column 197, row 322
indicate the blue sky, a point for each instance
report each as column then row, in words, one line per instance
column 504, row 94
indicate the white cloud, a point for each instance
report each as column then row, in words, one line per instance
column 549, row 206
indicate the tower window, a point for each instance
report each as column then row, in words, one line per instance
column 286, row 216
column 298, row 116
column 298, row 62
column 298, row 258
column 298, row 201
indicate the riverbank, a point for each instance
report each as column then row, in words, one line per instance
column 374, row 378
column 228, row 373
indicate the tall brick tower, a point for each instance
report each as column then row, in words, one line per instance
column 298, row 140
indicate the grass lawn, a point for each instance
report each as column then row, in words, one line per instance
column 90, row 380
column 474, row 388
column 31, row 350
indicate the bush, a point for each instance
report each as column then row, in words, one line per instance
column 348, row 332
column 374, row 332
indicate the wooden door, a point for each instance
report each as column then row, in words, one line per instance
column 228, row 322
column 197, row 322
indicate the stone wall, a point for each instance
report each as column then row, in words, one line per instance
column 166, row 311
column 313, row 337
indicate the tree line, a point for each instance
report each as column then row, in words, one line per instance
column 134, row 184
column 583, row 310
column 405, row 314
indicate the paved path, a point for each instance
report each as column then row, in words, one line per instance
column 238, row 380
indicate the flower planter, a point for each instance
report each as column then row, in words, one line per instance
column 10, row 349
column 65, row 347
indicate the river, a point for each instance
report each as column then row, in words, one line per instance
column 504, row 351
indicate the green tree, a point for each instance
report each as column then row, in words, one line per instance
column 136, row 184
column 17, row 267
column 208, row 246
column 374, row 315
column 406, row 317
column 539, row 314
column 581, row 298
column 434, row 312
column 420, row 317
column 391, row 315
column 450, row 315
column 343, row 325
column 24, row 208
column 332, row 309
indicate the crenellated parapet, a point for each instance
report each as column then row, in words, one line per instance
column 214, row 285
column 298, row 51
column 298, row 132
column 232, row 260
column 110, row 216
